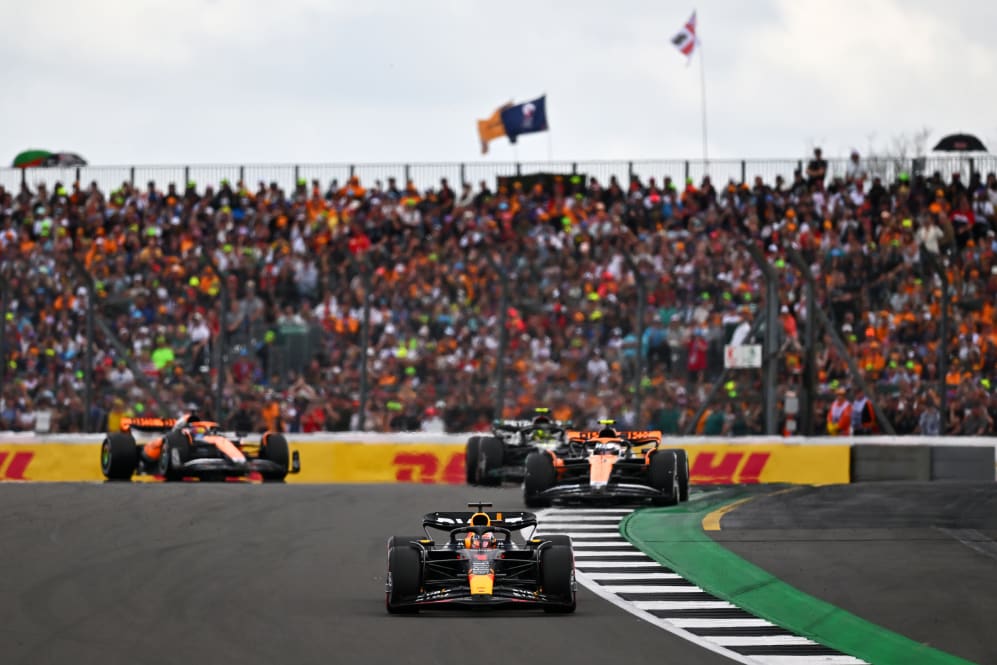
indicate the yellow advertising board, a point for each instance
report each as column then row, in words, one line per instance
column 726, row 464
column 349, row 462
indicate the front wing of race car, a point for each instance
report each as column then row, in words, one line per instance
column 461, row 598
column 224, row 466
column 613, row 490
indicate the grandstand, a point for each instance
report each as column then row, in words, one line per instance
column 601, row 289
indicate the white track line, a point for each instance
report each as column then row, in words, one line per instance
column 652, row 588
column 682, row 605
column 597, row 555
column 615, row 564
column 615, row 577
column 721, row 623
column 813, row 660
column 760, row 641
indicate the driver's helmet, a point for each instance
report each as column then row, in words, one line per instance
column 608, row 433
column 194, row 413
column 606, row 448
column 540, row 434
column 482, row 541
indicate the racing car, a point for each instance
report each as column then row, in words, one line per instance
column 501, row 456
column 478, row 564
column 187, row 447
column 607, row 465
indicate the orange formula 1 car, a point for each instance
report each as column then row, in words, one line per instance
column 185, row 447
column 607, row 465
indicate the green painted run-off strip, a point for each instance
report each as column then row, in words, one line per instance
column 674, row 537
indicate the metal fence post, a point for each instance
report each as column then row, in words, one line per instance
column 463, row 174
column 221, row 343
column 353, row 170
column 242, row 174
column 186, row 176
column 131, row 176
column 772, row 326
column 519, row 169
column 943, row 335
column 297, row 174
column 770, row 355
column 641, row 310
column 744, row 171
column 4, row 304
column 810, row 367
column 686, row 179
column 363, row 268
column 503, row 334
column 77, row 174
column 88, row 351
column 408, row 173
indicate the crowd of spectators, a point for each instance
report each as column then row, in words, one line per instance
column 291, row 270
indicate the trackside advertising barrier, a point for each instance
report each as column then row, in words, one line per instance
column 439, row 458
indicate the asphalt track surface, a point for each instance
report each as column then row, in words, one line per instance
column 237, row 573
column 917, row 558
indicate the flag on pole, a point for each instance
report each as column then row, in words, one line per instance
column 525, row 118
column 685, row 39
column 492, row 128
column 511, row 120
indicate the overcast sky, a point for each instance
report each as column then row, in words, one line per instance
column 295, row 81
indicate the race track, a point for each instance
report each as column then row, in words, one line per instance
column 242, row 574
column 917, row 558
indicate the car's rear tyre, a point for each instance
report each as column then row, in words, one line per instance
column 682, row 462
column 118, row 456
column 471, row 459
column 663, row 476
column 557, row 573
column 274, row 448
column 168, row 467
column 540, row 476
column 490, row 454
column 404, row 575
column 559, row 540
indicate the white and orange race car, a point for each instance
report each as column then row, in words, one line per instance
column 188, row 447
column 607, row 465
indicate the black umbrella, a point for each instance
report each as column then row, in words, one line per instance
column 960, row 143
column 64, row 159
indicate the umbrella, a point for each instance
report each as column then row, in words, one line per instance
column 31, row 158
column 960, row 143
column 64, row 159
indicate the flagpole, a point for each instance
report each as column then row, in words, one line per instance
column 702, row 91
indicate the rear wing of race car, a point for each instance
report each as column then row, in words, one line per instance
column 635, row 437
column 147, row 424
column 446, row 521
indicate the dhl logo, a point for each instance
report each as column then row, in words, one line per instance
column 709, row 468
column 428, row 468
column 13, row 465
column 706, row 468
